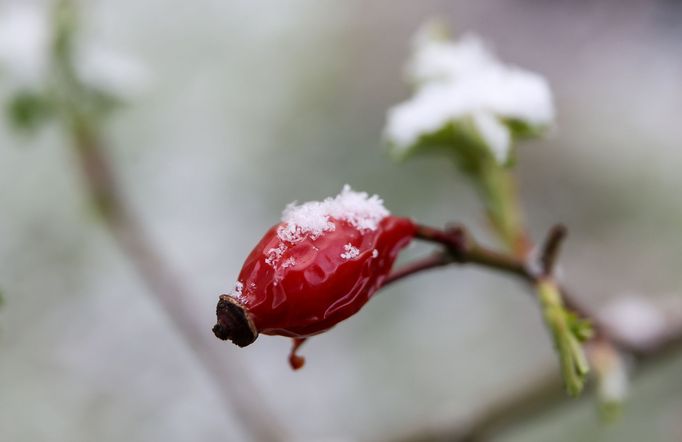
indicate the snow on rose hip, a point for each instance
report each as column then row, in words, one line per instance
column 314, row 269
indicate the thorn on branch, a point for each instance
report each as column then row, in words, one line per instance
column 550, row 249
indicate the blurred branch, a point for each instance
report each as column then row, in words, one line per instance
column 81, row 108
column 531, row 401
column 230, row 379
column 526, row 402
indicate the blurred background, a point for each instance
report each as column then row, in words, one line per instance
column 251, row 105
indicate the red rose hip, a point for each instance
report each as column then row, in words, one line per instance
column 319, row 266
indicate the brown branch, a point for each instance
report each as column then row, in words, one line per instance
column 230, row 379
column 431, row 262
column 464, row 250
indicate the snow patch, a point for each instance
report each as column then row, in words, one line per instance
column 238, row 291
column 314, row 218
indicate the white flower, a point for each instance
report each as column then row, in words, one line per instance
column 24, row 42
column 462, row 83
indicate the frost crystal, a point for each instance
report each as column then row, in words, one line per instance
column 313, row 218
column 463, row 83
column 238, row 289
column 291, row 261
column 273, row 255
column 350, row 251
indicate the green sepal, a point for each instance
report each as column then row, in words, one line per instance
column 581, row 328
column 523, row 130
column 458, row 139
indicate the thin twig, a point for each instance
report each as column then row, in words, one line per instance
column 464, row 250
column 550, row 250
column 231, row 379
column 430, row 262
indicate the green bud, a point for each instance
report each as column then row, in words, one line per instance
column 567, row 332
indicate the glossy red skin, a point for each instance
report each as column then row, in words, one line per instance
column 321, row 288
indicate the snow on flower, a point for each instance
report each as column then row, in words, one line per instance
column 462, row 82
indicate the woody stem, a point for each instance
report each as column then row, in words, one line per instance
column 460, row 248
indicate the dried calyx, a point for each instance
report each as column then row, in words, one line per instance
column 234, row 323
